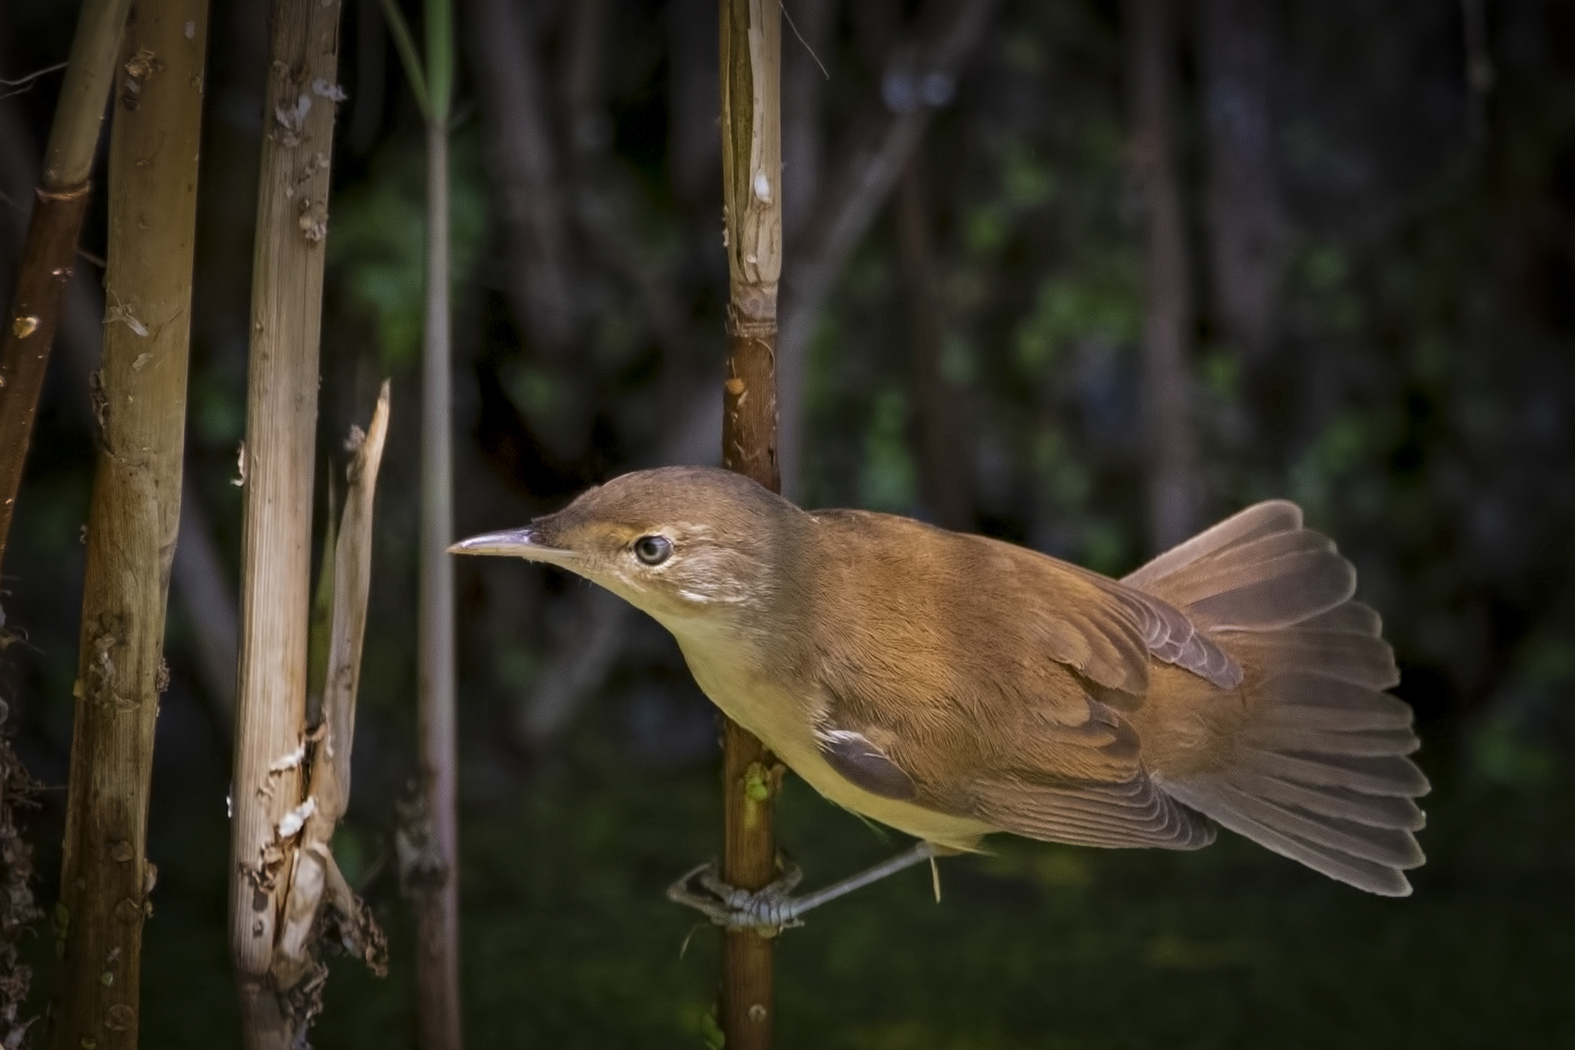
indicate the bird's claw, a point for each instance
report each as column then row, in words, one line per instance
column 768, row 910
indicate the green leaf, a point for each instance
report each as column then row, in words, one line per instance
column 711, row 1032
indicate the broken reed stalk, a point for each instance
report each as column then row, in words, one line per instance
column 140, row 400
column 752, row 209
column 277, row 472
column 50, row 249
column 316, row 889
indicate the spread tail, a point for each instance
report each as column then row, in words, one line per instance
column 1319, row 771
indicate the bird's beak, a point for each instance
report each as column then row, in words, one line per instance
column 515, row 543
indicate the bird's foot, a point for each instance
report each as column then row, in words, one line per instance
column 768, row 910
column 771, row 910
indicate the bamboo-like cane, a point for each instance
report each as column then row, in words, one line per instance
column 277, row 471
column 50, row 248
column 752, row 202
column 140, row 400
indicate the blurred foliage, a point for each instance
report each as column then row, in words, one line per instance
column 569, row 943
column 379, row 240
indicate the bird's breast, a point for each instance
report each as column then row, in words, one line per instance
column 777, row 708
column 782, row 709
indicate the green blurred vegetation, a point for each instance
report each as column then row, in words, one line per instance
column 380, row 237
column 569, row 943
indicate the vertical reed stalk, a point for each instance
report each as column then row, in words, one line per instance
column 752, row 208
column 140, row 398
column 50, row 248
column 437, row 894
column 277, row 470
column 429, row 862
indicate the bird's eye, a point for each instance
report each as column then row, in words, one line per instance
column 653, row 550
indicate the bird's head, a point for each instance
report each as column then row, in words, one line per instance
column 684, row 544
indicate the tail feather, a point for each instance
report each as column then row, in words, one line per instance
column 1262, row 519
column 1247, row 587
column 1278, row 731
column 1392, row 846
column 1354, row 659
column 1372, row 876
column 1225, row 571
column 1350, row 618
column 1377, row 811
column 1330, row 703
column 1392, row 775
column 1319, row 771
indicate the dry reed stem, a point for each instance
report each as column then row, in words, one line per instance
column 140, row 402
column 316, row 882
column 752, row 206
column 49, row 251
column 434, row 877
column 287, row 290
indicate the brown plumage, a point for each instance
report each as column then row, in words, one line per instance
column 952, row 685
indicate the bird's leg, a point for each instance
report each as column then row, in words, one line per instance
column 771, row 909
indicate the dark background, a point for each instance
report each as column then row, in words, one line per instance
column 1407, row 186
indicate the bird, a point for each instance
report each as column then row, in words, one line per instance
column 954, row 686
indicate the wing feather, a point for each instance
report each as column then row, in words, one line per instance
column 1082, row 784
column 922, row 710
column 1103, row 628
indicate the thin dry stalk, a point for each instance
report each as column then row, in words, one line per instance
column 1151, row 60
column 50, row 248
column 287, row 290
column 436, row 889
column 140, row 401
column 428, row 840
column 429, row 836
column 751, row 46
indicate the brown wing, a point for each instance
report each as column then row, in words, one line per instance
column 1161, row 630
column 1105, row 630
column 1081, row 784
column 1131, row 813
column 984, row 680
